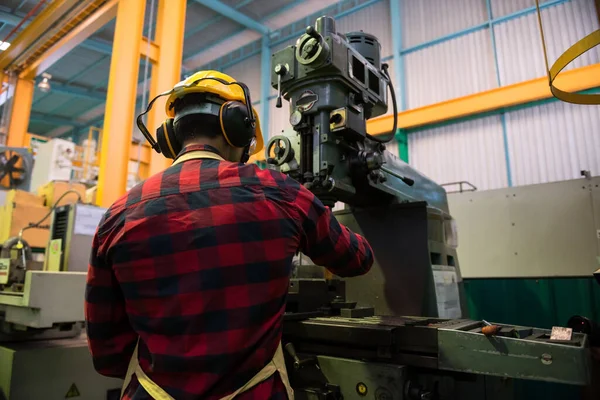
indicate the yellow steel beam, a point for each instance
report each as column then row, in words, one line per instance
column 507, row 96
column 150, row 50
column 45, row 20
column 144, row 154
column 170, row 25
column 21, row 110
column 258, row 157
column 120, row 101
column 73, row 38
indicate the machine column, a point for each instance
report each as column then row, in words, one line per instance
column 20, row 112
column 120, row 101
column 170, row 24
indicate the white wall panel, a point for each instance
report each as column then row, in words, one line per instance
column 553, row 142
column 425, row 20
column 450, row 69
column 470, row 151
column 375, row 20
column 279, row 118
column 392, row 147
column 247, row 71
column 501, row 8
column 520, row 54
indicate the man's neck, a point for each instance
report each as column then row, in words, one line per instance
column 216, row 143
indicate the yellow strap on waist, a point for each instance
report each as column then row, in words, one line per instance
column 587, row 43
column 197, row 155
column 277, row 364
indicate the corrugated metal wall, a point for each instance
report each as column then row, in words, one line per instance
column 451, row 69
column 500, row 8
column 453, row 153
column 392, row 147
column 553, row 142
column 425, row 20
column 548, row 142
column 520, row 54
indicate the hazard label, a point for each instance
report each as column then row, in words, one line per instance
column 73, row 392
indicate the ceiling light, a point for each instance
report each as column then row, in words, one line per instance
column 4, row 45
column 44, row 85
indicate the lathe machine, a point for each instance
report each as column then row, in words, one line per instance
column 43, row 350
column 351, row 339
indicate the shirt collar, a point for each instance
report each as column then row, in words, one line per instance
column 196, row 147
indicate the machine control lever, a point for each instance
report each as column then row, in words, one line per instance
column 280, row 70
column 408, row 181
column 417, row 392
column 298, row 363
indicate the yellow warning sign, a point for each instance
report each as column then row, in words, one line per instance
column 73, row 392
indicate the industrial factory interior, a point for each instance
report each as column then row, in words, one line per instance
column 300, row 199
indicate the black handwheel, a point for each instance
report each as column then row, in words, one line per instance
column 279, row 150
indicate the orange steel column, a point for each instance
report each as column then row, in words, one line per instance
column 120, row 101
column 21, row 110
column 170, row 25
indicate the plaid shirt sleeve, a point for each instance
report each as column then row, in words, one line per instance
column 110, row 337
column 326, row 241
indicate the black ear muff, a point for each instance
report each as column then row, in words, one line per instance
column 168, row 143
column 236, row 124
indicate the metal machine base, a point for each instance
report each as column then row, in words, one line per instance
column 52, row 369
column 419, row 358
column 358, row 380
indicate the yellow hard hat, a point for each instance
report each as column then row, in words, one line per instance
column 194, row 84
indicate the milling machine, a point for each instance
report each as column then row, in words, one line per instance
column 43, row 351
column 349, row 338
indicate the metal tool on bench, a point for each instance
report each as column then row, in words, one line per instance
column 334, row 83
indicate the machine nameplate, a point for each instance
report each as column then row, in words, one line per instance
column 446, row 291
column 560, row 333
column 4, row 268
column 87, row 220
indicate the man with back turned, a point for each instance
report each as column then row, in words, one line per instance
column 190, row 269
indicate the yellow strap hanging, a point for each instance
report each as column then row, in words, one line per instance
column 590, row 41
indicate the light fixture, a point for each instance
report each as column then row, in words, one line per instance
column 4, row 45
column 44, row 85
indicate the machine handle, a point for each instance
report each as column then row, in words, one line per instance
column 280, row 70
column 298, row 363
column 278, row 103
column 312, row 32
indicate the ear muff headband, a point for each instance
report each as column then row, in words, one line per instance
column 251, row 119
column 142, row 127
column 204, row 108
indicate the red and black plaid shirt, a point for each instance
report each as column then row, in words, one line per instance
column 195, row 261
